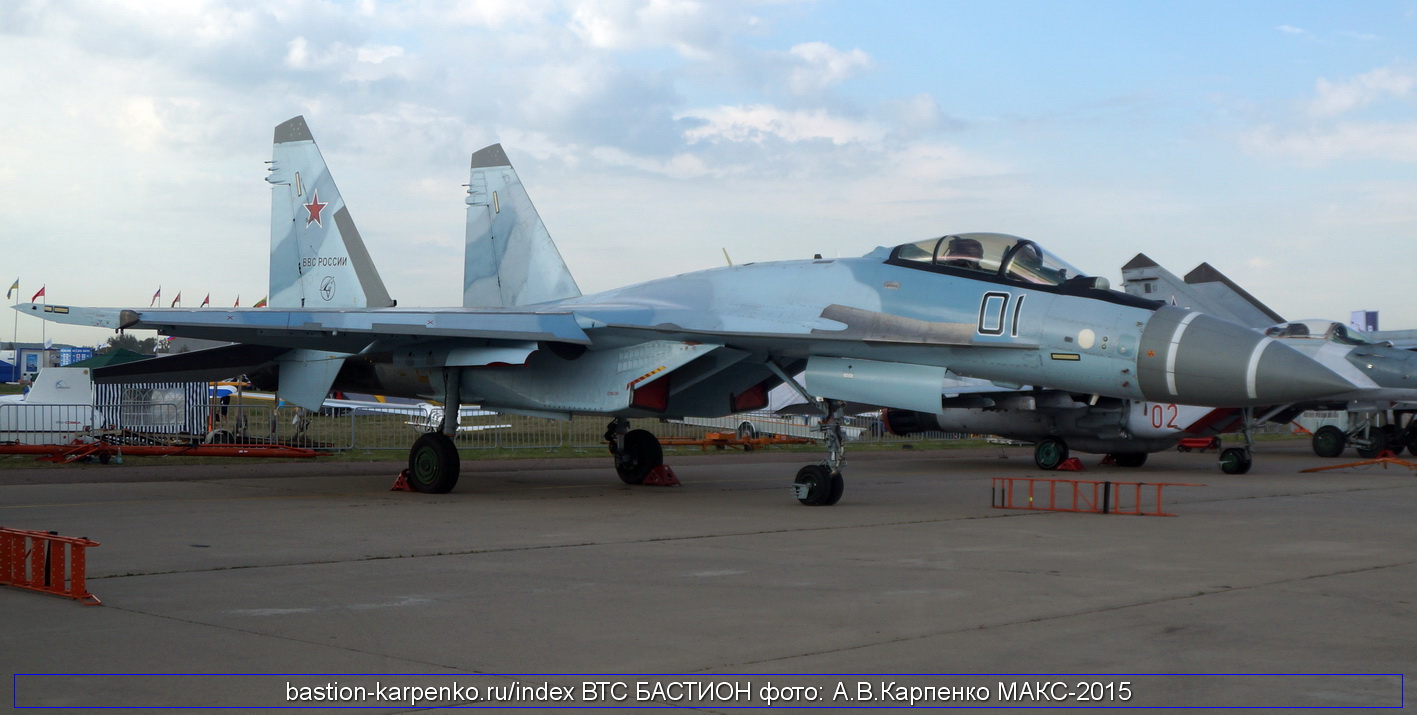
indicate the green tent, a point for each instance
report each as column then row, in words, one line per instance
column 112, row 357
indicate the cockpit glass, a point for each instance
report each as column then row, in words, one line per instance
column 1320, row 330
column 996, row 254
column 1031, row 264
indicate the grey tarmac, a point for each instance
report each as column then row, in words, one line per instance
column 554, row 572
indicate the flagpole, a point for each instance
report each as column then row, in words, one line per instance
column 15, row 333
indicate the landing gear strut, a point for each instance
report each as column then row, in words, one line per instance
column 822, row 484
column 636, row 452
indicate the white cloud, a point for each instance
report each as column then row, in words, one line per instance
column 821, row 66
column 759, row 123
column 1335, row 98
column 1390, row 141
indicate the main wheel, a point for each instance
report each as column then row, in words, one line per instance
column 1129, row 459
column 1329, row 441
column 1377, row 443
column 823, row 487
column 433, row 464
column 746, row 431
column 1049, row 452
column 1234, row 461
column 1396, row 441
column 640, row 456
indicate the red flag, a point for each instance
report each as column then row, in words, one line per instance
column 176, row 300
column 206, row 301
column 237, row 304
column 156, row 295
column 37, row 295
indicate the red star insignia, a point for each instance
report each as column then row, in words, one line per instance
column 314, row 208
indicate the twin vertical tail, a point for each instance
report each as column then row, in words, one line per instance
column 511, row 259
column 318, row 259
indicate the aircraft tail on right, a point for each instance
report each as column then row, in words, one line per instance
column 511, row 259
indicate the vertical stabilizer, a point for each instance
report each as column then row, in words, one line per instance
column 511, row 259
column 318, row 259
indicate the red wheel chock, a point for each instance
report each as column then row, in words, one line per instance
column 1072, row 464
column 661, row 476
column 401, row 484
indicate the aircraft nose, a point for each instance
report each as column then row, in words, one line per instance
column 1198, row 359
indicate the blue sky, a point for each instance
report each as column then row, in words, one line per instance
column 1277, row 141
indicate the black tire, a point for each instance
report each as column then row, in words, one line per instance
column 1409, row 438
column 1234, row 461
column 1129, row 459
column 1377, row 443
column 820, row 485
column 1050, row 452
column 433, row 464
column 104, row 458
column 640, row 456
column 838, row 487
column 1329, row 441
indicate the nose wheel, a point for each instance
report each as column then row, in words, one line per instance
column 1237, row 460
column 816, row 485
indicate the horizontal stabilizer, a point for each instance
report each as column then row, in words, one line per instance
column 197, row 366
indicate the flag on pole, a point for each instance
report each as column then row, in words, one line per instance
column 237, row 304
column 13, row 289
column 260, row 303
column 206, row 301
column 176, row 300
column 38, row 295
column 156, row 295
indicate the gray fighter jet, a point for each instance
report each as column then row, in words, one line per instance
column 884, row 329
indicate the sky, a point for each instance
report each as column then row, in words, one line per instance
column 1275, row 140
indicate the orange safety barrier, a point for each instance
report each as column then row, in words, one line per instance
column 46, row 562
column 1079, row 495
column 1384, row 458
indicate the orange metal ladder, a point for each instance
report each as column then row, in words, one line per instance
column 46, row 562
column 1079, row 495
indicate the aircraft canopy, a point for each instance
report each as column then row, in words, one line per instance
column 997, row 254
column 1320, row 330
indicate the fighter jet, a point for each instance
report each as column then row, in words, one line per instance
column 885, row 328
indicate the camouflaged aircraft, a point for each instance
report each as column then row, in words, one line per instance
column 883, row 329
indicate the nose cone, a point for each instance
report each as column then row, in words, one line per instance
column 1197, row 359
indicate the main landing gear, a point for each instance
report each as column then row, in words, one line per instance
column 636, row 452
column 433, row 462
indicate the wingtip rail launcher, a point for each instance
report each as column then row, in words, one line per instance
column 46, row 562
